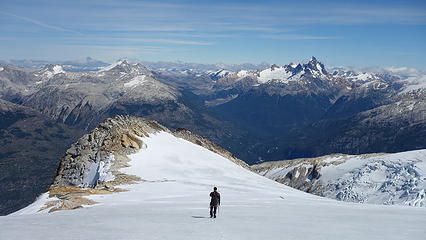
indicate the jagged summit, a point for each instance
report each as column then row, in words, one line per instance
column 315, row 67
column 275, row 73
column 123, row 66
column 293, row 72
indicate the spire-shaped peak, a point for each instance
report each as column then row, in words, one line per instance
column 315, row 67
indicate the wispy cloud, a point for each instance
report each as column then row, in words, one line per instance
column 39, row 23
column 120, row 28
column 124, row 40
column 252, row 28
column 298, row 37
column 134, row 49
column 172, row 41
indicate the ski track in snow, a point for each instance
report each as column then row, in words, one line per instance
column 173, row 204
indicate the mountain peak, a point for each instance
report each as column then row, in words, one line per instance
column 52, row 69
column 119, row 65
column 124, row 66
column 315, row 67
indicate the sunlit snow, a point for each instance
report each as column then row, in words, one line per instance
column 172, row 203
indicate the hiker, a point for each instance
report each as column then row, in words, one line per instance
column 214, row 202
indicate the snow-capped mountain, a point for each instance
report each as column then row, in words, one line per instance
column 123, row 67
column 398, row 178
column 48, row 72
column 80, row 98
column 145, row 177
column 303, row 74
column 292, row 72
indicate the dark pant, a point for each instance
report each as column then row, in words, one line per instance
column 213, row 209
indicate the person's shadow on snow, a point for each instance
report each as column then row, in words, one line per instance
column 198, row 217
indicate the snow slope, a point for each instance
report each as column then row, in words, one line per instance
column 173, row 204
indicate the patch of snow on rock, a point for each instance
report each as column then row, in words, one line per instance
column 138, row 80
column 57, row 69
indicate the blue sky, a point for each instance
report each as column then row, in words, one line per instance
column 341, row 33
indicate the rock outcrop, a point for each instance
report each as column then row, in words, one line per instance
column 91, row 159
column 92, row 165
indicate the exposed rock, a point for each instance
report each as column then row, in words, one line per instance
column 69, row 197
column 108, row 144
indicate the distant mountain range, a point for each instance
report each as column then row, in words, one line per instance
column 259, row 114
column 91, row 64
column 280, row 112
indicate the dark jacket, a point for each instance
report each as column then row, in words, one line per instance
column 215, row 199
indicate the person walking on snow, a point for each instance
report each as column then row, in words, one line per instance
column 214, row 202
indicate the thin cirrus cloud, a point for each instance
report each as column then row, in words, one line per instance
column 39, row 23
column 299, row 37
column 171, row 41
column 127, row 40
column 119, row 28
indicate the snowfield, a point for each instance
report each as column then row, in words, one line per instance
column 173, row 204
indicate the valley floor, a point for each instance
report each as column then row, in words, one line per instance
column 173, row 204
